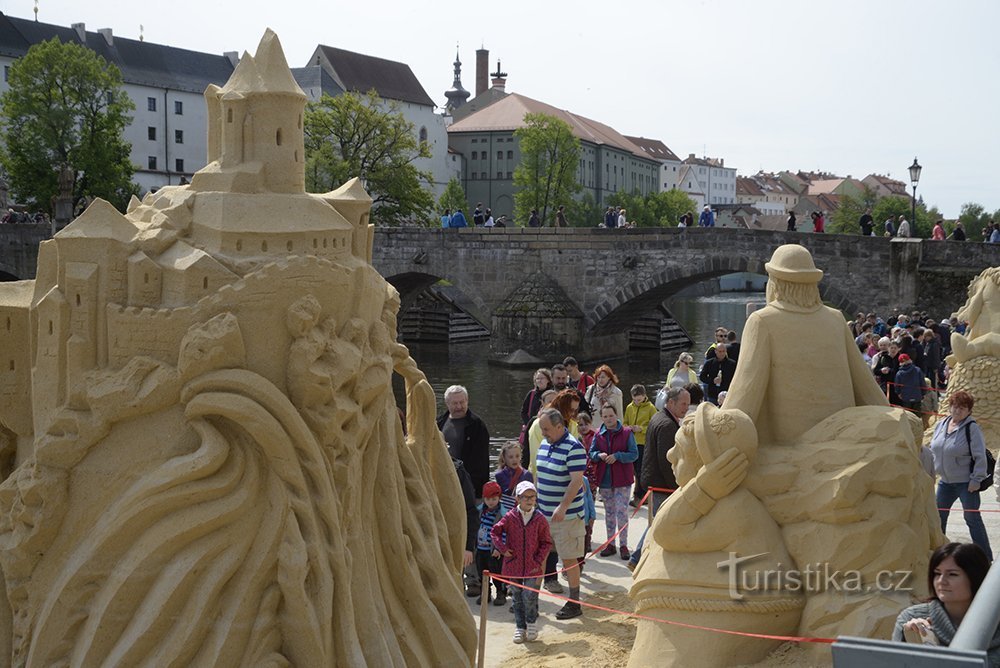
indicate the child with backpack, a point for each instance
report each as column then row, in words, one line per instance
column 487, row 557
column 510, row 473
column 614, row 450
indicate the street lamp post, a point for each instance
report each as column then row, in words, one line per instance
column 914, row 179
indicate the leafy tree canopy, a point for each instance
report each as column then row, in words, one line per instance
column 546, row 176
column 662, row 209
column 65, row 106
column 453, row 198
column 353, row 135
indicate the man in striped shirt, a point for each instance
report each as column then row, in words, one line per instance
column 561, row 462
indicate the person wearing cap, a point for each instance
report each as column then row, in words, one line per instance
column 487, row 557
column 523, row 539
column 707, row 217
column 784, row 398
column 909, row 384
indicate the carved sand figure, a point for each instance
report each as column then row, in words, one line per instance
column 975, row 357
column 837, row 469
column 709, row 520
column 214, row 475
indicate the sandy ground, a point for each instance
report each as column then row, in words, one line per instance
column 601, row 638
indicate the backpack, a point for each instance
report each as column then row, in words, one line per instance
column 991, row 462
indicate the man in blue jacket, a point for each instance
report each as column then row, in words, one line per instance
column 458, row 219
column 707, row 217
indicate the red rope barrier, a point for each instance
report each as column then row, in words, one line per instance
column 635, row 615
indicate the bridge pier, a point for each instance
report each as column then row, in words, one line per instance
column 904, row 271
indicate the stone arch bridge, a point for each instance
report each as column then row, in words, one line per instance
column 612, row 277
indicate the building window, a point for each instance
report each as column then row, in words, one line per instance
column 474, row 141
column 475, row 155
column 179, row 165
column 423, row 135
column 483, row 176
column 178, row 107
column 151, row 162
column 499, row 175
column 6, row 72
column 510, row 155
column 509, row 175
column 472, row 176
column 151, row 133
column 151, row 103
column 499, row 155
column 178, row 136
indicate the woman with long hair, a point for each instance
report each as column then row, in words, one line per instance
column 604, row 391
column 954, row 575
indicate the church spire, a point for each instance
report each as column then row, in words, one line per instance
column 456, row 95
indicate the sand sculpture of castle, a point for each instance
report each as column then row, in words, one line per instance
column 202, row 457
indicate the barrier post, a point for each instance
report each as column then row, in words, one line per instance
column 484, row 598
column 649, row 506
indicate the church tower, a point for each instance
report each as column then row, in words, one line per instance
column 456, row 95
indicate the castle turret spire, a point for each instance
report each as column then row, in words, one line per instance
column 456, row 95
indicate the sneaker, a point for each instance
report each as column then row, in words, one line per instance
column 631, row 566
column 624, row 553
column 632, row 503
column 553, row 586
column 473, row 590
column 569, row 611
column 608, row 551
column 519, row 635
column 501, row 598
column 532, row 632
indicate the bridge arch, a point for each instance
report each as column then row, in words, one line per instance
column 618, row 311
column 410, row 284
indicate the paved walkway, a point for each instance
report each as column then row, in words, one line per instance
column 603, row 638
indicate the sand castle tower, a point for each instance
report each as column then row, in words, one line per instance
column 202, row 458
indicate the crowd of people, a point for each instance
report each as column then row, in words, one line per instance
column 22, row 217
column 579, row 442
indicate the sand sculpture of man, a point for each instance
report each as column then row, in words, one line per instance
column 838, row 469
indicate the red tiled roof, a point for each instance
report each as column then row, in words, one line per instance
column 654, row 148
column 509, row 113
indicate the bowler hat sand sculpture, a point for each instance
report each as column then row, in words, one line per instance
column 836, row 485
column 213, row 472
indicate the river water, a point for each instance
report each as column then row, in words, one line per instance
column 496, row 393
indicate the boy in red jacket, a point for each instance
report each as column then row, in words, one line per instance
column 527, row 544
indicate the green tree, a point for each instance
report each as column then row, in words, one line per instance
column 655, row 209
column 65, row 106
column 546, row 176
column 974, row 218
column 359, row 135
column 583, row 212
column 845, row 217
column 896, row 206
column 453, row 197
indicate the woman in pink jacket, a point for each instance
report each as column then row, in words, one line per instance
column 522, row 537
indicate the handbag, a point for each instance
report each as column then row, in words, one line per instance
column 991, row 462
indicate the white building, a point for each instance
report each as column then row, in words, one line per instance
column 167, row 132
column 716, row 183
column 333, row 71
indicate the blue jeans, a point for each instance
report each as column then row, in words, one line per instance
column 947, row 493
column 525, row 604
column 656, row 501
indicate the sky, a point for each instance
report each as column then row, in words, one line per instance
column 850, row 87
